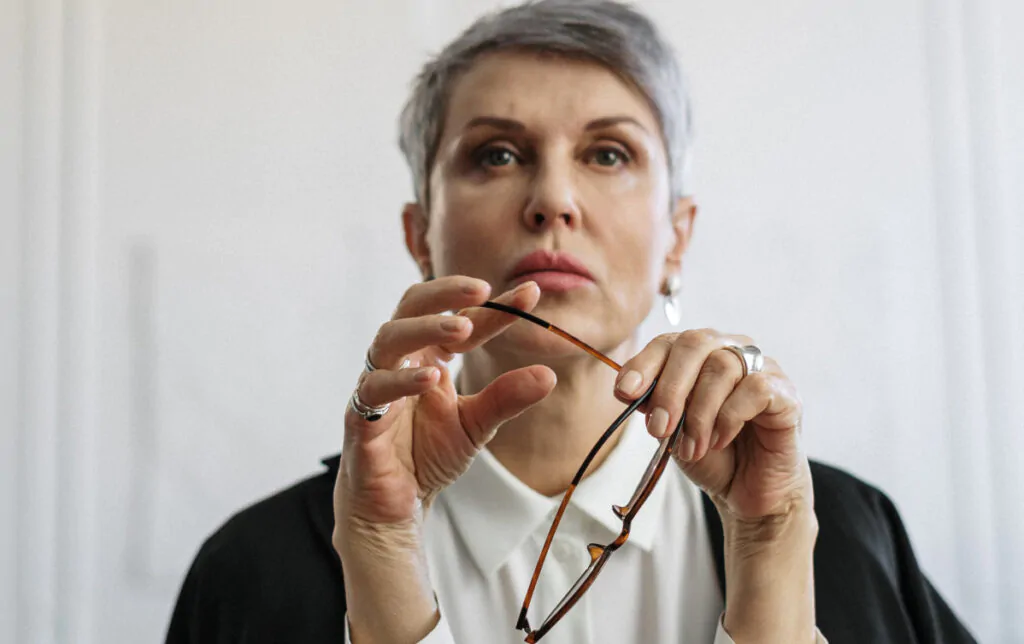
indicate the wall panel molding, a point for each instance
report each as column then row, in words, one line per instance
column 975, row 252
column 57, row 317
column 37, row 467
column 79, row 295
column 1001, row 289
column 12, row 86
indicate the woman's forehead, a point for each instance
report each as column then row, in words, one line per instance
column 543, row 92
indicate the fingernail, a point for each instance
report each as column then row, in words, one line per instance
column 630, row 382
column 454, row 324
column 714, row 440
column 525, row 285
column 657, row 424
column 688, row 446
column 476, row 287
column 424, row 374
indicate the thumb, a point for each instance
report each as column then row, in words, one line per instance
column 509, row 395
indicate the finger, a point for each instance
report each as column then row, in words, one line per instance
column 689, row 351
column 488, row 323
column 719, row 375
column 399, row 338
column 506, row 397
column 448, row 293
column 639, row 372
column 767, row 399
column 383, row 387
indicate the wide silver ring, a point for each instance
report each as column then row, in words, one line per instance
column 368, row 413
column 750, row 357
column 370, row 367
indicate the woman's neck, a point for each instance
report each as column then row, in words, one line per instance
column 544, row 446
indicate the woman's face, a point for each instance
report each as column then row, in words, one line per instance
column 559, row 156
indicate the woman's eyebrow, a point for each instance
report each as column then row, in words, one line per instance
column 496, row 122
column 512, row 125
column 609, row 121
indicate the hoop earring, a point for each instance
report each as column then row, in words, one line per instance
column 671, row 289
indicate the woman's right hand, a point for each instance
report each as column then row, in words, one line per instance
column 392, row 466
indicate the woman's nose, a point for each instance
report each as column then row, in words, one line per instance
column 553, row 201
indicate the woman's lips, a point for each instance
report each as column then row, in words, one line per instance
column 553, row 271
column 555, row 281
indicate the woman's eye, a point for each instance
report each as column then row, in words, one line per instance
column 496, row 157
column 610, row 157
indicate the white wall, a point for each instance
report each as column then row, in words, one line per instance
column 195, row 196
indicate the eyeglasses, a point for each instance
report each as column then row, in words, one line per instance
column 599, row 554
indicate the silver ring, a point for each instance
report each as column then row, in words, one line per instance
column 370, row 367
column 368, row 413
column 750, row 357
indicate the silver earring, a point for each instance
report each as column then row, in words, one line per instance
column 671, row 289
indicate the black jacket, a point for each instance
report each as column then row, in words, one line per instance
column 270, row 574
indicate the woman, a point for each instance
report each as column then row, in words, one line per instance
column 548, row 146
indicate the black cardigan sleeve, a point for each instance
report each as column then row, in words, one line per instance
column 269, row 575
column 932, row 617
column 211, row 607
column 868, row 586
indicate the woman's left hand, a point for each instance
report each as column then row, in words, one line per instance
column 741, row 435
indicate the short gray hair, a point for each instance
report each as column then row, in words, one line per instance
column 609, row 33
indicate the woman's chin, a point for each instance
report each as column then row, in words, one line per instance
column 582, row 317
column 538, row 345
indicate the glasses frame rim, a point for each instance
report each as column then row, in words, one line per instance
column 587, row 578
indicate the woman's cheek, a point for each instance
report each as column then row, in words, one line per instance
column 467, row 244
column 636, row 239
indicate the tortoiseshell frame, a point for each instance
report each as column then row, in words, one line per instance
column 599, row 554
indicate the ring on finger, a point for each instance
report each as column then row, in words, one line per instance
column 367, row 412
column 370, row 367
column 750, row 357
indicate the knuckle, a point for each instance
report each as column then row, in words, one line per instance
column 727, row 418
column 663, row 342
column 669, row 389
column 720, row 363
column 664, row 399
column 761, row 384
column 689, row 339
column 384, row 333
column 369, row 386
column 699, row 419
column 408, row 294
column 696, row 338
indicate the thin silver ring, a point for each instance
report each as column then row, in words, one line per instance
column 370, row 367
column 367, row 412
column 750, row 357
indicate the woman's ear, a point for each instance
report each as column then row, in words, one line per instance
column 683, row 215
column 414, row 221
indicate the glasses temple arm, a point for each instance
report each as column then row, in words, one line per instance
column 511, row 310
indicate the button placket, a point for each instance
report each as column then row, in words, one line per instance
column 567, row 559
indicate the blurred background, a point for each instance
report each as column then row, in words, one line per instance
column 199, row 235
